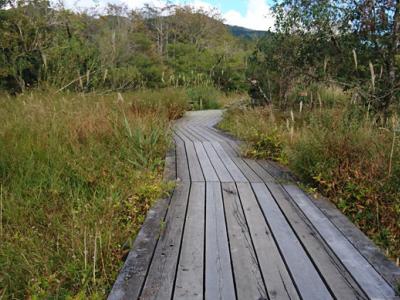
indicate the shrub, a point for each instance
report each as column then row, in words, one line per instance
column 203, row 97
column 170, row 101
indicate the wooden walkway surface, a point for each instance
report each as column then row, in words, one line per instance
column 235, row 228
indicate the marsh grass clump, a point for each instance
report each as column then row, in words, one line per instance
column 78, row 173
column 203, row 97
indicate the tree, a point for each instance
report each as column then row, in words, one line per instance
column 354, row 42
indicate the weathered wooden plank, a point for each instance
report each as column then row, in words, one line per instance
column 248, row 278
column 233, row 152
column 219, row 167
column 235, row 172
column 220, row 137
column 208, row 170
column 370, row 281
column 270, row 260
column 375, row 257
column 206, row 134
column 196, row 173
column 218, row 272
column 340, row 282
column 306, row 277
column 386, row 268
column 266, row 177
column 189, row 279
column 178, row 131
column 182, row 166
column 244, row 168
column 193, row 135
column 161, row 276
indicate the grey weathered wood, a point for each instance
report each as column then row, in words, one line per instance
column 193, row 135
column 248, row 278
column 336, row 276
column 266, row 177
column 270, row 260
column 250, row 175
column 235, row 172
column 220, row 137
column 189, row 279
column 306, row 277
column 232, row 152
column 161, row 276
column 363, row 245
column 182, row 166
column 219, row 167
column 218, row 272
column 386, row 268
column 208, row 170
column 196, row 173
column 370, row 281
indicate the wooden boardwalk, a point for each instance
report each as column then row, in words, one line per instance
column 236, row 228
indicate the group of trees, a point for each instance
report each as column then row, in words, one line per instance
column 116, row 49
column 350, row 43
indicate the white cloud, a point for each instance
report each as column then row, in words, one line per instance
column 258, row 16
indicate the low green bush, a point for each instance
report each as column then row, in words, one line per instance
column 203, row 97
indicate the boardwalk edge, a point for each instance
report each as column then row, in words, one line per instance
column 132, row 275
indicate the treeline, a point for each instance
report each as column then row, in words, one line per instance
column 350, row 44
column 117, row 49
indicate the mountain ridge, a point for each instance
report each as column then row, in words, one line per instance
column 244, row 32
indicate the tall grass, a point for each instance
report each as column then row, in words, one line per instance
column 340, row 151
column 77, row 175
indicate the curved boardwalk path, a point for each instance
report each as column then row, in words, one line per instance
column 236, row 228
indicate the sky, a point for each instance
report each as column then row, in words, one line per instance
column 253, row 14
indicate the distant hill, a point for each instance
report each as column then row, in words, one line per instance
column 246, row 33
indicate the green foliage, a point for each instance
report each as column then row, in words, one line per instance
column 122, row 50
column 78, row 172
column 203, row 97
column 352, row 44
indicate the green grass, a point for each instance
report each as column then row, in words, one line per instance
column 204, row 97
column 77, row 176
column 340, row 151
